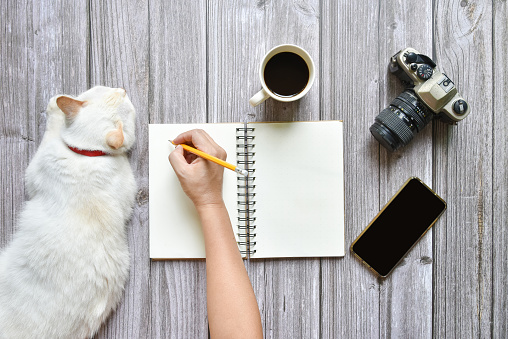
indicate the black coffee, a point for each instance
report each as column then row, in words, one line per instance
column 286, row 74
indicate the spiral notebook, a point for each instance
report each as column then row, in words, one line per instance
column 290, row 205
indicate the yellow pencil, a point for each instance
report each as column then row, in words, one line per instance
column 218, row 161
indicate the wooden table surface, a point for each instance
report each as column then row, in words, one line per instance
column 197, row 61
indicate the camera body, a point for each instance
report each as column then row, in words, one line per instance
column 433, row 88
column 429, row 94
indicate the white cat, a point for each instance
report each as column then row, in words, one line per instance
column 65, row 270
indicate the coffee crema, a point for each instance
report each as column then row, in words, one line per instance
column 286, row 74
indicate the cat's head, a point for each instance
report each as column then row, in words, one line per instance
column 101, row 118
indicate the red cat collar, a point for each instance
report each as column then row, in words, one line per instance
column 87, row 153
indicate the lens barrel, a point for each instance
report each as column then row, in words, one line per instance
column 397, row 124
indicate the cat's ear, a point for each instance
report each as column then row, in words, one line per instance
column 115, row 138
column 69, row 106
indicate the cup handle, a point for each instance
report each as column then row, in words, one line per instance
column 259, row 97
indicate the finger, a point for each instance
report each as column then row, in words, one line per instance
column 190, row 137
column 206, row 136
column 177, row 158
column 190, row 157
column 217, row 150
column 199, row 139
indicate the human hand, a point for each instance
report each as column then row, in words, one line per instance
column 201, row 179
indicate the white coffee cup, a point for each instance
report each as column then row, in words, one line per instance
column 267, row 92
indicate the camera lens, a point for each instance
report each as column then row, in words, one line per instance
column 397, row 124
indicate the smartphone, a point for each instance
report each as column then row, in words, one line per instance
column 398, row 226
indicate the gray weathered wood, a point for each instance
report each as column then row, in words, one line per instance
column 184, row 61
column 350, row 73
column 17, row 136
column 235, row 48
column 43, row 54
column 406, row 295
column 293, row 23
column 500, row 173
column 283, row 291
column 463, row 175
column 119, row 58
column 236, row 45
column 178, row 83
column 291, row 308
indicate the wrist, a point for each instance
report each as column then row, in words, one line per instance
column 213, row 216
column 210, row 207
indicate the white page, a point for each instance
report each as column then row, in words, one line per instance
column 299, row 189
column 175, row 229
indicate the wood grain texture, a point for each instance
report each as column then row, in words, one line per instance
column 34, row 40
column 463, row 174
column 178, row 78
column 235, row 48
column 198, row 61
column 406, row 295
column 17, row 135
column 499, row 216
column 119, row 58
column 177, row 94
column 293, row 22
column 292, row 290
column 286, row 294
column 350, row 72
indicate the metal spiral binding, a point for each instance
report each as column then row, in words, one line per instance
column 246, row 203
column 245, row 188
column 245, row 162
column 244, row 137
column 246, row 194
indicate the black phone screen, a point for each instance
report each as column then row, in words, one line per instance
column 402, row 222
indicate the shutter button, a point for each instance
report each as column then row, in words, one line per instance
column 460, row 106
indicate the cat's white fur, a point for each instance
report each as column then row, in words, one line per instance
column 66, row 267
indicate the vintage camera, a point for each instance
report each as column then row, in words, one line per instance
column 429, row 94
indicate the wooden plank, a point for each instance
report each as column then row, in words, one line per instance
column 178, row 79
column 410, row 284
column 43, row 53
column 61, row 35
column 239, row 36
column 294, row 23
column 235, row 50
column 292, row 287
column 234, row 53
column 60, row 55
column 350, row 89
column 178, row 83
column 17, row 135
column 119, row 58
column 158, row 52
column 463, row 162
column 500, row 173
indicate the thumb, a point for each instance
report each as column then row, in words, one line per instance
column 177, row 159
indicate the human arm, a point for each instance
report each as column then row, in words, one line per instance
column 232, row 308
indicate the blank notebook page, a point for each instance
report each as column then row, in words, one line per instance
column 299, row 189
column 175, row 228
